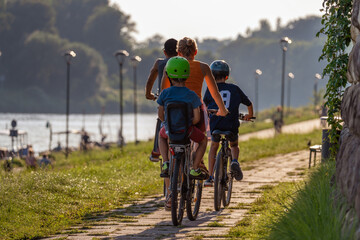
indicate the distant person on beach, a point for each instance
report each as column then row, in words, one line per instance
column 45, row 161
column 30, row 160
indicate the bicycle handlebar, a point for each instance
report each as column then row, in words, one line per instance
column 241, row 115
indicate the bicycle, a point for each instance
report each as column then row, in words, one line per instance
column 185, row 191
column 223, row 181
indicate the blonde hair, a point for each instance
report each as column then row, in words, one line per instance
column 187, row 47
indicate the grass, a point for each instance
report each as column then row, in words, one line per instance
column 303, row 210
column 39, row 203
column 35, row 204
column 263, row 118
column 281, row 144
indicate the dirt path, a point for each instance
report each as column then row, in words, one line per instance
column 147, row 218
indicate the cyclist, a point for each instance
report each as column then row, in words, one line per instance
column 178, row 70
column 187, row 48
column 170, row 50
column 232, row 96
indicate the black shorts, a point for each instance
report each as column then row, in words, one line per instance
column 233, row 137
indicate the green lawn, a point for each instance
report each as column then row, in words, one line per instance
column 297, row 211
column 39, row 203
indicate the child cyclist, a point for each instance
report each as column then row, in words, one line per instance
column 178, row 70
column 232, row 96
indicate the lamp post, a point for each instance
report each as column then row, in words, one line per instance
column 258, row 72
column 120, row 56
column 290, row 78
column 134, row 62
column 317, row 77
column 284, row 43
column 68, row 56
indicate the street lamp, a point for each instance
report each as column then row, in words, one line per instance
column 258, row 72
column 317, row 77
column 120, row 56
column 68, row 56
column 134, row 62
column 284, row 43
column 290, row 77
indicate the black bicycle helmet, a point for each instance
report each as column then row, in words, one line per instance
column 220, row 69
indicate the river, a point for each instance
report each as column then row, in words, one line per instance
column 38, row 134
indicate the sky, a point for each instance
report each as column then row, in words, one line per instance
column 220, row 19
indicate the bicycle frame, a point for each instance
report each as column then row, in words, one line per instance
column 176, row 150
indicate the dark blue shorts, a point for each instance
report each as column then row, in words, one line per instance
column 233, row 137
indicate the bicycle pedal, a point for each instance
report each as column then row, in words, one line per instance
column 154, row 159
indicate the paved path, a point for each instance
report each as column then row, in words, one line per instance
column 301, row 127
column 147, row 218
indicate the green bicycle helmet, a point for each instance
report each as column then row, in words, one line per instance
column 178, row 68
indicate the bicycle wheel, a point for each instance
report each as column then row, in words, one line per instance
column 228, row 183
column 218, row 187
column 193, row 199
column 178, row 183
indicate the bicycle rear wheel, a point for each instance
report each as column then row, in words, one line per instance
column 228, row 183
column 193, row 199
column 178, row 188
column 218, row 186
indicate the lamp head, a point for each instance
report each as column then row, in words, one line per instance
column 318, row 76
column 69, row 55
column 284, row 42
column 291, row 75
column 135, row 60
column 120, row 56
column 258, row 72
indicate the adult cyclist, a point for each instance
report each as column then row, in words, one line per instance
column 170, row 50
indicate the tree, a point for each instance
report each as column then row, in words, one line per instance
column 72, row 15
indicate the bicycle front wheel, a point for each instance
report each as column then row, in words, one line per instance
column 193, row 199
column 218, row 186
column 178, row 183
column 228, row 183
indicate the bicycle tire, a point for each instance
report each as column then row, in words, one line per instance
column 218, row 187
column 229, row 181
column 193, row 199
column 178, row 182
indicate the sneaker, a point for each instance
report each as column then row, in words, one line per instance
column 209, row 182
column 197, row 174
column 165, row 170
column 236, row 170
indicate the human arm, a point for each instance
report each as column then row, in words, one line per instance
column 165, row 81
column 150, row 82
column 161, row 113
column 213, row 89
column 196, row 118
column 250, row 114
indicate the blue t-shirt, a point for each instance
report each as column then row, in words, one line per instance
column 178, row 94
column 232, row 97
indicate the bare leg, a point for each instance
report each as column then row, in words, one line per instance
column 212, row 155
column 234, row 150
column 200, row 153
column 164, row 148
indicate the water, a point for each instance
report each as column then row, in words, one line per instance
column 39, row 135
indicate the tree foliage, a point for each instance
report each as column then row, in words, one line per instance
column 336, row 26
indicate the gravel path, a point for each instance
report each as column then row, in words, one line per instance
column 147, row 219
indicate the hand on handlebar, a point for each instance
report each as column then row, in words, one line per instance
column 222, row 114
column 151, row 96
